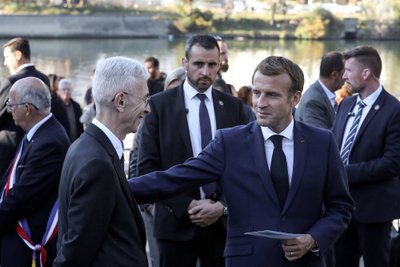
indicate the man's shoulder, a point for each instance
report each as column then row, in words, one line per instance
column 29, row 71
column 226, row 97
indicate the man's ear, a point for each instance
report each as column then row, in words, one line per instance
column 185, row 63
column 120, row 101
column 18, row 55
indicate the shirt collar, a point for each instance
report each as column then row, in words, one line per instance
column 370, row 100
column 117, row 144
column 287, row 133
column 331, row 96
column 191, row 92
column 24, row 66
column 33, row 130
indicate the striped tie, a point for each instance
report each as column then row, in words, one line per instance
column 352, row 134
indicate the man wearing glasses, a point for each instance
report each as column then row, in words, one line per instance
column 17, row 60
column 28, row 191
column 100, row 223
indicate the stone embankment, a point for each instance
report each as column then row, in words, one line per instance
column 82, row 26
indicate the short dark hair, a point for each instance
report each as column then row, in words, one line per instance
column 273, row 66
column 367, row 56
column 153, row 61
column 19, row 44
column 330, row 62
column 208, row 42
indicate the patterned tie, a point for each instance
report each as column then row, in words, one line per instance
column 279, row 170
column 352, row 134
column 206, row 136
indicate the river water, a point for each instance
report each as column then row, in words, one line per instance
column 75, row 58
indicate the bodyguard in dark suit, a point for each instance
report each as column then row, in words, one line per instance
column 30, row 187
column 17, row 59
column 171, row 134
column 317, row 105
column 307, row 194
column 100, row 224
column 367, row 129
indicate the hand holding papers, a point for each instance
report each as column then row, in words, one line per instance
column 274, row 234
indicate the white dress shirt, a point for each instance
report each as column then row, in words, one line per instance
column 331, row 96
column 287, row 146
column 192, row 104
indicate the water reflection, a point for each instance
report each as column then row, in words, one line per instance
column 76, row 58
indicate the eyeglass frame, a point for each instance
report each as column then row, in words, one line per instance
column 145, row 99
column 10, row 106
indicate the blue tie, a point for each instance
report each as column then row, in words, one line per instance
column 206, row 136
column 279, row 170
column 352, row 134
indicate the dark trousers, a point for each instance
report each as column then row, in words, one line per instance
column 371, row 241
column 207, row 246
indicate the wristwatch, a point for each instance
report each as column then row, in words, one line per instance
column 225, row 211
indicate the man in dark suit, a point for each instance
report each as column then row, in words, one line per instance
column 30, row 187
column 367, row 129
column 171, row 134
column 100, row 223
column 70, row 110
column 300, row 191
column 17, row 56
column 318, row 103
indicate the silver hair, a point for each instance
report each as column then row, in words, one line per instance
column 39, row 96
column 63, row 82
column 176, row 74
column 114, row 75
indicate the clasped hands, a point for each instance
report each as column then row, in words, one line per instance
column 205, row 212
column 297, row 247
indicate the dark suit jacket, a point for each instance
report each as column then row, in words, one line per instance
column 318, row 201
column 374, row 161
column 100, row 224
column 165, row 141
column 60, row 113
column 10, row 134
column 34, row 193
column 315, row 108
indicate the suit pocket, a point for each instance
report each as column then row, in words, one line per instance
column 240, row 250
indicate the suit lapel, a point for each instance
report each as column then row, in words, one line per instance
column 376, row 107
column 219, row 110
column 179, row 112
column 300, row 147
column 257, row 145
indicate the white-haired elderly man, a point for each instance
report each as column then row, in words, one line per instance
column 100, row 224
column 29, row 188
column 67, row 110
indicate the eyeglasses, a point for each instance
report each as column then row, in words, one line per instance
column 145, row 99
column 10, row 106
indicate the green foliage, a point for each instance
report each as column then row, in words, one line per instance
column 320, row 24
column 196, row 21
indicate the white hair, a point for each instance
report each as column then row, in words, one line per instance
column 114, row 75
column 35, row 93
column 63, row 82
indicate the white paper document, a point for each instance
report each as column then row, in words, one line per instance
column 274, row 234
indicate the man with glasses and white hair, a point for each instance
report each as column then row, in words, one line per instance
column 100, row 223
column 29, row 188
